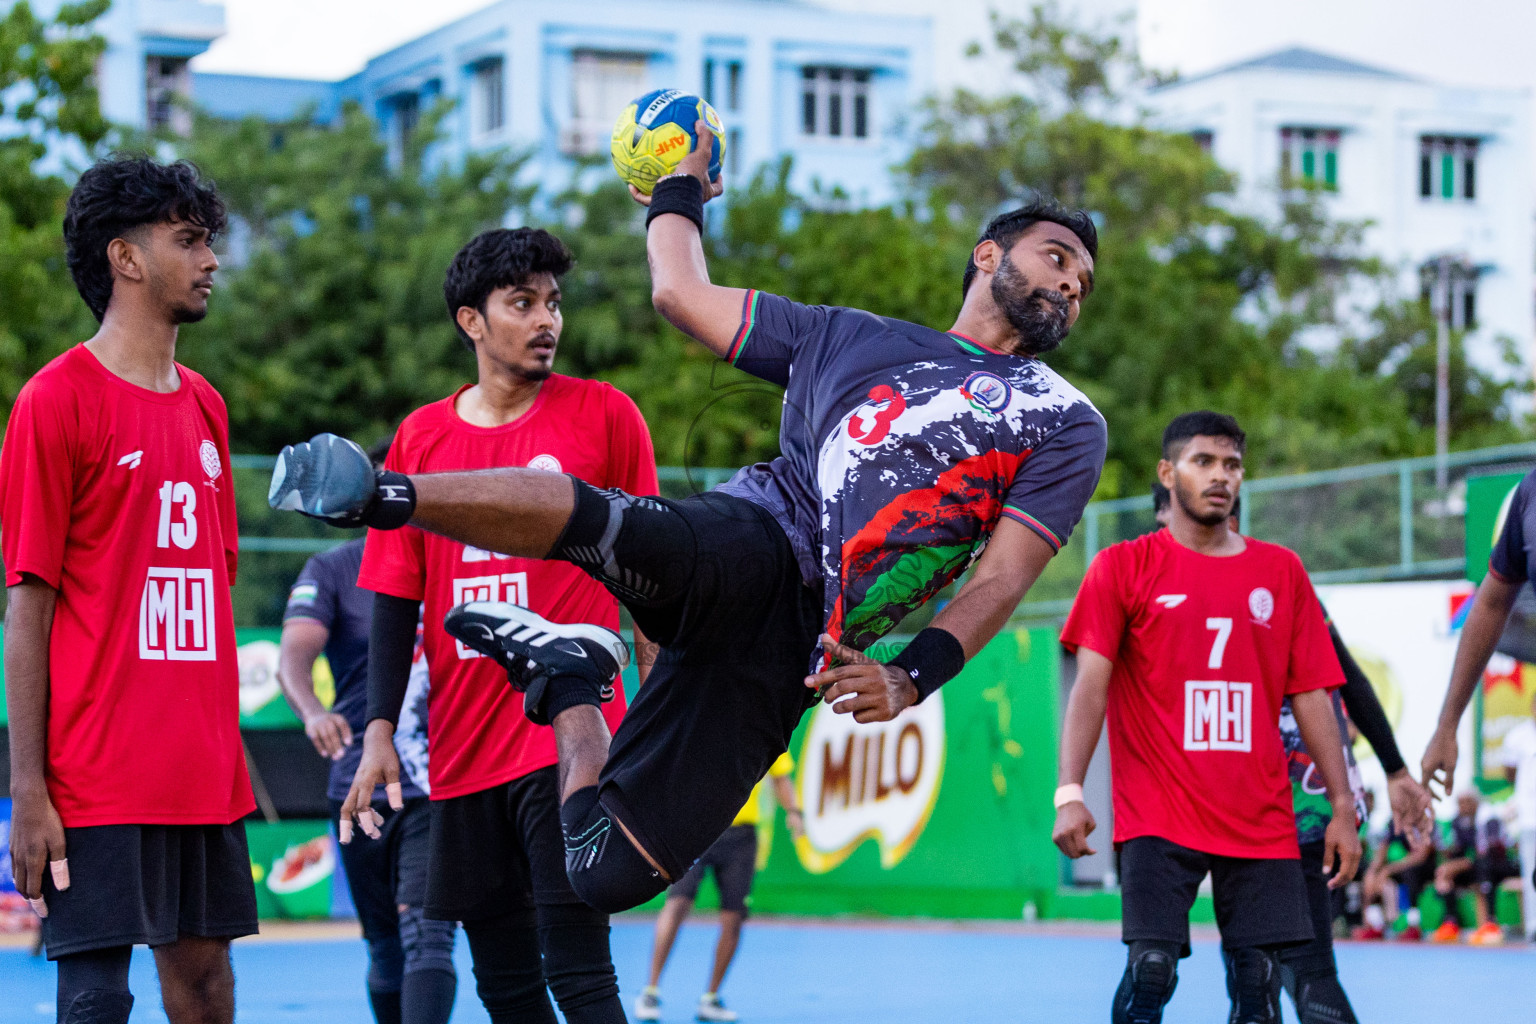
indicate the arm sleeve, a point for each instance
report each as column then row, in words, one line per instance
column 313, row 595
column 775, row 331
column 631, row 457
column 1056, row 481
column 1098, row 617
column 1313, row 664
column 1364, row 708
column 391, row 645
column 36, row 487
column 1507, row 561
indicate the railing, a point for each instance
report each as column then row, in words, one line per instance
column 1382, row 521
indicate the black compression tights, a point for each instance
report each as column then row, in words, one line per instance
column 511, row 974
column 93, row 987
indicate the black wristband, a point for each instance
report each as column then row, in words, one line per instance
column 933, row 658
column 394, row 502
column 683, row 195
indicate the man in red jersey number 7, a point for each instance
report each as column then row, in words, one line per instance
column 1191, row 637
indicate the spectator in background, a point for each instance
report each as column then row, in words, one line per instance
column 1478, row 859
column 733, row 859
column 1399, row 863
column 411, row 977
column 1518, row 754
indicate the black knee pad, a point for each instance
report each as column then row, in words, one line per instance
column 386, row 963
column 630, row 545
column 1253, row 986
column 93, row 986
column 1151, row 975
column 604, row 867
column 98, row 1006
column 427, row 945
column 578, row 965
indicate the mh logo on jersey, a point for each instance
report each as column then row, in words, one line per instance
column 987, row 392
column 176, row 615
column 1218, row 715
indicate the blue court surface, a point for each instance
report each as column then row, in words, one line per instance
column 842, row 973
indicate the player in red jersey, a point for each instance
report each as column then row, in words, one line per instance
column 497, row 857
column 117, row 523
column 1191, row 637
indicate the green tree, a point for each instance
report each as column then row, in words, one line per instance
column 329, row 313
column 47, row 99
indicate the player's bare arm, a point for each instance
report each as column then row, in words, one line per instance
column 1485, row 624
column 37, row 832
column 680, row 287
column 874, row 692
column 302, row 643
column 1080, row 730
column 1320, row 731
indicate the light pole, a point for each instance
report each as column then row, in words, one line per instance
column 1440, row 276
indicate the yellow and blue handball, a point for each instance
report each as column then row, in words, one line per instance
column 656, row 131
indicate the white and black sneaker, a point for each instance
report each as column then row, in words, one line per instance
column 534, row 650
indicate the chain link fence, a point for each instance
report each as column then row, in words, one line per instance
column 1382, row 521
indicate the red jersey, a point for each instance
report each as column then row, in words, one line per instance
column 116, row 496
column 477, row 732
column 1204, row 651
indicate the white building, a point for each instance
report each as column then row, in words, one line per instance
column 1435, row 169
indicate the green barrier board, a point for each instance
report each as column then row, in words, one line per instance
column 1487, row 503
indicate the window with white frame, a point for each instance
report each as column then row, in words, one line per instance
column 602, row 85
column 487, row 97
column 722, row 84
column 834, row 103
column 1310, row 155
column 404, row 112
column 1447, row 167
column 167, row 84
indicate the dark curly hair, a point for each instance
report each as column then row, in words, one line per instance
column 499, row 259
column 1204, row 423
column 120, row 194
column 1006, row 228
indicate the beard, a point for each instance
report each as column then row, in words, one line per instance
column 188, row 314
column 1186, row 499
column 1037, row 315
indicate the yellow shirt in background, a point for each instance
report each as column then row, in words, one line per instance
column 752, row 811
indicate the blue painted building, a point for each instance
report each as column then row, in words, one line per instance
column 836, row 91
column 145, row 66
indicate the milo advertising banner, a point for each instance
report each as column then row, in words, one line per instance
column 945, row 811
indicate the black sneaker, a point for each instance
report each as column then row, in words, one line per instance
column 533, row 650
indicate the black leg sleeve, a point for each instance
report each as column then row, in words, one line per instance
column 509, row 972
column 578, row 965
column 391, row 642
column 604, row 867
column 93, row 987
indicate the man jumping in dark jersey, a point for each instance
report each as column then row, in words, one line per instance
column 909, row 455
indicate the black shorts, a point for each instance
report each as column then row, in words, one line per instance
column 389, row 872
column 497, row 851
column 713, row 580
column 1259, row 901
column 134, row 885
column 1488, row 873
column 733, row 859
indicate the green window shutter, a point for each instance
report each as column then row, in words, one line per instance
column 1309, row 164
column 1448, row 176
column 1331, row 169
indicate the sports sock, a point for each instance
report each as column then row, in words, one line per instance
column 93, row 987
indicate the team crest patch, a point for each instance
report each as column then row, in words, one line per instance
column 548, row 463
column 1262, row 604
column 208, row 455
column 987, row 392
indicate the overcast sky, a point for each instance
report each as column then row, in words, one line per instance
column 1467, row 42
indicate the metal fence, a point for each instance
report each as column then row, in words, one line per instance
column 1383, row 521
